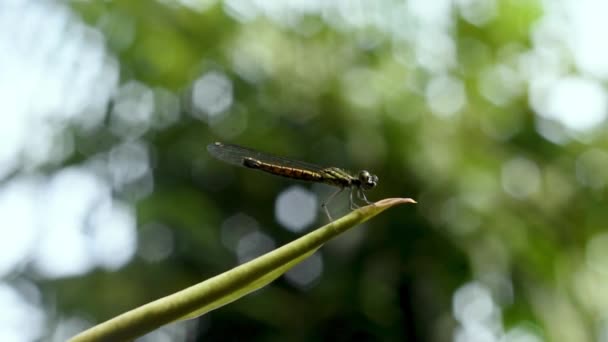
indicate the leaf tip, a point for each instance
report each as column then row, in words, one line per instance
column 394, row 201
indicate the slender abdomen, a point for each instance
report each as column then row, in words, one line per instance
column 332, row 176
column 283, row 171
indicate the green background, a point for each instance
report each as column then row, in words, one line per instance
column 506, row 242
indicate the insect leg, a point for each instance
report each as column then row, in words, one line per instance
column 353, row 205
column 326, row 202
column 361, row 195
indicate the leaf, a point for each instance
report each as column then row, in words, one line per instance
column 228, row 286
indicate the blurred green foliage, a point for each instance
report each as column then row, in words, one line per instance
column 500, row 205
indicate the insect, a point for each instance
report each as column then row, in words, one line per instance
column 252, row 159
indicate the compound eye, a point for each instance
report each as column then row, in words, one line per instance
column 367, row 179
column 372, row 181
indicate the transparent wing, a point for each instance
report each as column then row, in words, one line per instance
column 234, row 154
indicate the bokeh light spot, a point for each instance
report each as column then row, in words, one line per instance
column 296, row 208
column 19, row 228
column 20, row 320
column 79, row 212
column 127, row 163
column 522, row 333
column 521, row 177
column 578, row 103
column 133, row 109
column 477, row 12
column 499, row 84
column 445, row 95
column 435, row 51
column 211, row 95
column 253, row 245
column 113, row 239
column 478, row 315
column 307, row 272
column 588, row 32
column 472, row 303
column 53, row 69
column 437, row 12
column 552, row 130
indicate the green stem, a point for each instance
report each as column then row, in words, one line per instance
column 228, row 286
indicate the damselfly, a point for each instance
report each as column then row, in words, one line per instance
column 252, row 159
